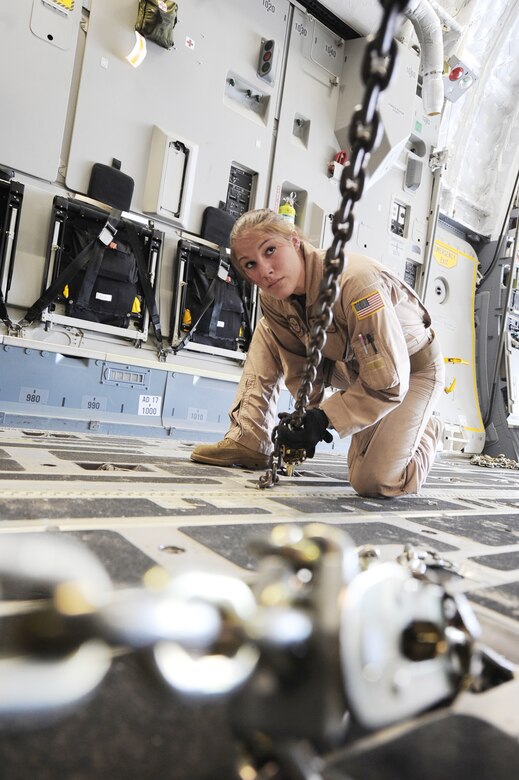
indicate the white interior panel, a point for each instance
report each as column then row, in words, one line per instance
column 181, row 90
column 36, row 62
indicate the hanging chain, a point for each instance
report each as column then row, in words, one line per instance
column 376, row 71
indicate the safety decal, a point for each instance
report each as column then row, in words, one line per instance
column 367, row 306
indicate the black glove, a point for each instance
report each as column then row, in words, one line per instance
column 312, row 431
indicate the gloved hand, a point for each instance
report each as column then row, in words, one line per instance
column 313, row 430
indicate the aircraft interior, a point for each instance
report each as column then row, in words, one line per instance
column 165, row 619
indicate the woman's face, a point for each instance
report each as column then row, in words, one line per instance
column 272, row 261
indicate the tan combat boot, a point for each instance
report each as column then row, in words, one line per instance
column 229, row 453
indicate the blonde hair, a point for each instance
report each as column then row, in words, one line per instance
column 262, row 221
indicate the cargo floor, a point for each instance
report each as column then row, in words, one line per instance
column 135, row 502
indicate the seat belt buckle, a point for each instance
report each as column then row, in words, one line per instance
column 225, row 265
column 107, row 234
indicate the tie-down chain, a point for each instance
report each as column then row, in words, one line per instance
column 376, row 71
column 338, row 633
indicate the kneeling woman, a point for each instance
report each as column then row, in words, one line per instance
column 380, row 357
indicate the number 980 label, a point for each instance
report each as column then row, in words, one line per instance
column 33, row 395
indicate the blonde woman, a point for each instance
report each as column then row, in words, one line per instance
column 381, row 358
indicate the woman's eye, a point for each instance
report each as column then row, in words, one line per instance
column 249, row 265
column 270, row 250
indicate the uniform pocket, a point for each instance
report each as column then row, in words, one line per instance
column 377, row 368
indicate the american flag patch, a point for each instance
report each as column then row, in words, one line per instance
column 367, row 306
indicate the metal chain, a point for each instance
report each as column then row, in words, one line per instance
column 499, row 461
column 377, row 68
column 376, row 71
column 210, row 634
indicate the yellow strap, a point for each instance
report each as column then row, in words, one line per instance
column 451, row 387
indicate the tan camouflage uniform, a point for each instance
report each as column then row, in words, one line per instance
column 381, row 358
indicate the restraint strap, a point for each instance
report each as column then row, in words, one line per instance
column 210, row 297
column 147, row 290
column 92, row 253
column 207, row 301
column 4, row 314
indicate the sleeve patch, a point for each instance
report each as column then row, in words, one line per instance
column 367, row 306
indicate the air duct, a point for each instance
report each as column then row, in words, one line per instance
column 429, row 33
column 365, row 18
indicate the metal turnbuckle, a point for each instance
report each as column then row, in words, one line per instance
column 325, row 634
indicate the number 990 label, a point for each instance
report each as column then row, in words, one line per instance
column 93, row 403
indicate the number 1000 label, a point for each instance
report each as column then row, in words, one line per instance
column 149, row 405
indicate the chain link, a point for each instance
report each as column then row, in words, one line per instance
column 376, row 71
column 211, row 634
